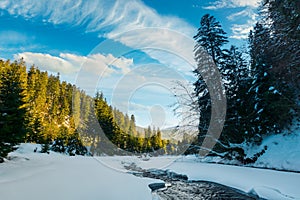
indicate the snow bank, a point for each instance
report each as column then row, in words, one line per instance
column 269, row 184
column 33, row 176
column 283, row 152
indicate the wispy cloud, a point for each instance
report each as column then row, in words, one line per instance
column 12, row 37
column 14, row 41
column 239, row 31
column 19, row 48
column 244, row 13
column 114, row 20
column 113, row 16
column 232, row 4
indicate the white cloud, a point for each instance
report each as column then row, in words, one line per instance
column 244, row 13
column 46, row 62
column 232, row 4
column 67, row 63
column 115, row 16
column 111, row 18
column 216, row 5
column 241, row 31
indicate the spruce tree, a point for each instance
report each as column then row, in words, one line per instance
column 271, row 100
column 13, row 104
column 210, row 37
column 235, row 73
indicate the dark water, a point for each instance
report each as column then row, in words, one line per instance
column 177, row 187
column 201, row 190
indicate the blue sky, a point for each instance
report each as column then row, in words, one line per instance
column 133, row 51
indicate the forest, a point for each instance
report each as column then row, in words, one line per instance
column 40, row 108
column 261, row 85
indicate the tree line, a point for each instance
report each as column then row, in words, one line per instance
column 261, row 85
column 38, row 107
column 117, row 133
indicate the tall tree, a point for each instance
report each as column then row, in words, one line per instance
column 283, row 22
column 271, row 100
column 283, row 19
column 210, row 37
column 132, row 128
column 13, row 99
column 235, row 73
column 37, row 91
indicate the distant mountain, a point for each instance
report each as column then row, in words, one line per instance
column 170, row 133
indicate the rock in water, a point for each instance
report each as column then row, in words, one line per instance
column 156, row 186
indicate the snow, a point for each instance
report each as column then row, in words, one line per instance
column 274, row 90
column 41, row 176
column 269, row 184
column 283, row 151
column 256, row 89
column 255, row 106
column 260, row 110
column 34, row 176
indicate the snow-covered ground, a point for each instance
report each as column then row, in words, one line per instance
column 283, row 152
column 34, row 176
column 269, row 184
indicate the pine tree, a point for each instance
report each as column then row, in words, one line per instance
column 110, row 132
column 132, row 128
column 147, row 141
column 270, row 100
column 75, row 146
column 283, row 19
column 37, row 90
column 235, row 73
column 52, row 104
column 13, row 99
column 64, row 104
column 210, row 37
column 76, row 109
column 158, row 140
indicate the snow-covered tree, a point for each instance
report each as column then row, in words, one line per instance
column 270, row 101
column 209, row 40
